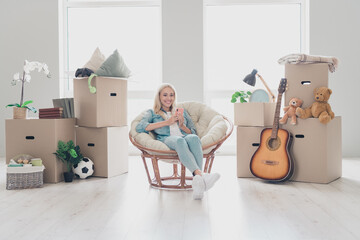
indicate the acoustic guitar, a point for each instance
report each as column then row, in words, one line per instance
column 272, row 160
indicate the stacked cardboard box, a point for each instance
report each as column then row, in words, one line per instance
column 250, row 120
column 316, row 148
column 102, row 131
column 39, row 138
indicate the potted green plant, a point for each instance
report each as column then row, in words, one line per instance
column 242, row 95
column 21, row 107
column 70, row 154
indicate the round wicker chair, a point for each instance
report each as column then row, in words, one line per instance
column 212, row 128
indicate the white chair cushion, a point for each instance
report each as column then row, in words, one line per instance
column 210, row 127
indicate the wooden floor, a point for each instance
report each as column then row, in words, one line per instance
column 125, row 207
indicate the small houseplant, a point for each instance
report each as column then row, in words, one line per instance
column 70, row 154
column 21, row 107
column 242, row 95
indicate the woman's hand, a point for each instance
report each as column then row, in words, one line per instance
column 173, row 119
column 182, row 126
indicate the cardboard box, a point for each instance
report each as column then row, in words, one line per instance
column 106, row 108
column 248, row 141
column 106, row 147
column 39, row 138
column 302, row 79
column 316, row 150
column 254, row 114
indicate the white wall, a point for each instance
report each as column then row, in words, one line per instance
column 29, row 30
column 334, row 31
column 182, row 41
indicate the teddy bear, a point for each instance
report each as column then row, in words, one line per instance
column 290, row 111
column 320, row 108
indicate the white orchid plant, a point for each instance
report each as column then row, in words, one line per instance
column 25, row 77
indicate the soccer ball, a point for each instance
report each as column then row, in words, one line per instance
column 84, row 169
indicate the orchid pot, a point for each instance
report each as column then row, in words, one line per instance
column 19, row 113
column 20, row 109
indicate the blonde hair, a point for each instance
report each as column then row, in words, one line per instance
column 157, row 102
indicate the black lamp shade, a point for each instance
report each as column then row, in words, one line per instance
column 251, row 78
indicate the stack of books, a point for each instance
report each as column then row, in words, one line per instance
column 67, row 104
column 51, row 112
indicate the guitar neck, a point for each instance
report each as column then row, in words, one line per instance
column 276, row 117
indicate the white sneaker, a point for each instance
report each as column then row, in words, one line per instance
column 210, row 179
column 198, row 185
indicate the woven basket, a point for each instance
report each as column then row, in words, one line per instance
column 24, row 180
column 19, row 113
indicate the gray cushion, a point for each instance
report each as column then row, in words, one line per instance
column 114, row 66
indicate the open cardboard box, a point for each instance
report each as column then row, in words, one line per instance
column 105, row 108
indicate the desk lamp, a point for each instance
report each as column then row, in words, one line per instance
column 251, row 80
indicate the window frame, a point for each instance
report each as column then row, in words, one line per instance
column 304, row 33
column 64, row 73
column 304, row 46
column 208, row 95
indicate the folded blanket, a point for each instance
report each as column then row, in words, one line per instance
column 307, row 59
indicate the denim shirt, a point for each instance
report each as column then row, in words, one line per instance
column 163, row 132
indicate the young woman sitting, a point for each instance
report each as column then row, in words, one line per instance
column 178, row 132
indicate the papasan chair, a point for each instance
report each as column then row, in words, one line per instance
column 212, row 128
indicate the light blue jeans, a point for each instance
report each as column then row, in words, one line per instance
column 188, row 149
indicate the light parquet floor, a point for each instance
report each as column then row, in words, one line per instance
column 125, row 207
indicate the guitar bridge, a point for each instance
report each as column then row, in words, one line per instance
column 270, row 162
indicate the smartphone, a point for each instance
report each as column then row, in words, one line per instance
column 179, row 111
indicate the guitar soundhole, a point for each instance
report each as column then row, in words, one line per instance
column 273, row 143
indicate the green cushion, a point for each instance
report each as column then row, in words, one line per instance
column 113, row 66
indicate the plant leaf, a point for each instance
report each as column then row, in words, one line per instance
column 233, row 100
column 26, row 103
column 62, row 146
column 68, row 153
column 73, row 153
column 248, row 92
column 31, row 109
column 13, row 105
column 70, row 145
column 242, row 100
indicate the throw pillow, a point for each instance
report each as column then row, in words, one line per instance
column 96, row 60
column 114, row 66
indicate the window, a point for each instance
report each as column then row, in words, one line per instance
column 241, row 36
column 134, row 28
